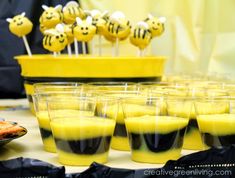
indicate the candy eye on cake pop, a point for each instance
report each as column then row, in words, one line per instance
column 20, row 26
column 84, row 31
column 50, row 17
column 72, row 10
column 156, row 25
column 55, row 40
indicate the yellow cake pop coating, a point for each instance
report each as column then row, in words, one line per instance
column 118, row 26
column 20, row 25
column 141, row 35
column 98, row 20
column 55, row 40
column 84, row 30
column 72, row 10
column 68, row 29
column 50, row 17
column 156, row 25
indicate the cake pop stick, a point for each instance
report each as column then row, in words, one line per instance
column 20, row 26
column 55, row 40
column 141, row 37
column 50, row 17
column 84, row 31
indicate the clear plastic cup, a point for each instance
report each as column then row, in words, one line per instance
column 82, row 134
column 216, row 120
column 120, row 140
column 155, row 127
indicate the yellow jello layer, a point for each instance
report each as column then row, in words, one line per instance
column 151, row 157
column 152, row 124
column 217, row 124
column 120, row 143
column 193, row 140
column 43, row 120
column 135, row 110
column 73, row 128
column 203, row 108
column 81, row 160
column 49, row 144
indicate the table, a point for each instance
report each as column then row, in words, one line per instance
column 30, row 145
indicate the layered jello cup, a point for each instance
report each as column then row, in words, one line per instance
column 120, row 139
column 216, row 119
column 82, row 135
column 155, row 134
column 42, row 91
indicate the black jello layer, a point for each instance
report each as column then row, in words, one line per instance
column 218, row 141
column 45, row 133
column 120, row 130
column 84, row 146
column 157, row 142
column 192, row 124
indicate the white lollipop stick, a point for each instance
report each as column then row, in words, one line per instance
column 117, row 47
column 59, row 53
column 27, row 46
column 100, row 47
column 69, row 49
column 76, row 46
column 92, row 47
column 113, row 50
column 54, row 54
column 83, row 47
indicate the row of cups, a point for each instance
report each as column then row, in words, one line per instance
column 153, row 120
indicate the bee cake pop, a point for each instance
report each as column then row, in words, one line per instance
column 55, row 40
column 20, row 26
column 99, row 21
column 72, row 10
column 141, row 36
column 119, row 27
column 68, row 29
column 156, row 25
column 50, row 17
column 83, row 31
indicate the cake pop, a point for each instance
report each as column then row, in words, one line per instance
column 119, row 27
column 84, row 31
column 50, row 17
column 156, row 25
column 55, row 40
column 20, row 26
column 72, row 10
column 99, row 21
column 141, row 36
column 68, row 29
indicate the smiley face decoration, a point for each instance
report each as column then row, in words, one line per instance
column 156, row 25
column 50, row 17
column 20, row 26
column 83, row 31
